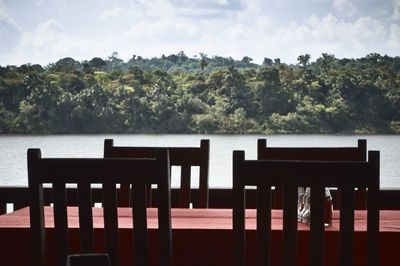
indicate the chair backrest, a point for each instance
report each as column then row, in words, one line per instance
column 107, row 172
column 185, row 157
column 315, row 174
column 358, row 153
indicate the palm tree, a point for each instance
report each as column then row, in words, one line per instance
column 304, row 60
column 203, row 61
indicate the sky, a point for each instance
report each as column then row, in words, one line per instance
column 44, row 31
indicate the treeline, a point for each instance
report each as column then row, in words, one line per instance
column 178, row 94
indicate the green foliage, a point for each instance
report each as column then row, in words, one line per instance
column 179, row 94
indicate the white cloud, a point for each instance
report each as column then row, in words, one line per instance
column 344, row 6
column 258, row 36
column 48, row 43
column 207, row 3
column 315, row 36
column 396, row 9
column 215, row 27
column 116, row 11
column 5, row 19
column 394, row 39
column 332, row 35
column 165, row 30
column 196, row 9
column 10, row 31
column 221, row 2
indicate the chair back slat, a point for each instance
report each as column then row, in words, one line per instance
column 290, row 224
column 164, row 210
column 373, row 211
column 290, row 174
column 263, row 225
column 140, row 224
column 184, row 195
column 185, row 157
column 239, row 203
column 111, row 221
column 60, row 222
column 346, row 226
column 85, row 217
column 202, row 201
column 36, row 209
column 108, row 173
column 318, row 225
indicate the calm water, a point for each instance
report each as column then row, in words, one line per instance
column 13, row 170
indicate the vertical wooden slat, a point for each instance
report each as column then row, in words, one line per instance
column 111, row 221
column 290, row 225
column 149, row 196
column 85, row 217
column 362, row 147
column 360, row 198
column 36, row 213
column 3, row 208
column 278, row 198
column 140, row 224
column 317, row 225
column 373, row 210
column 60, row 223
column 184, row 197
column 123, row 196
column 203, row 186
column 238, row 211
column 263, row 225
column 346, row 225
column 123, row 191
column 164, row 209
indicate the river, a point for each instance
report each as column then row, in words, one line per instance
column 13, row 169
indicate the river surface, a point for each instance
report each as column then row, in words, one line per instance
column 13, row 169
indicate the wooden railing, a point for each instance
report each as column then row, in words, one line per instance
column 17, row 197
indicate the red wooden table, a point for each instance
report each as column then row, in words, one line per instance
column 200, row 236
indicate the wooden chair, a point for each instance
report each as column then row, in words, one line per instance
column 358, row 153
column 107, row 172
column 185, row 157
column 315, row 174
column 90, row 259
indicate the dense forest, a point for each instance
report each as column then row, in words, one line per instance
column 202, row 94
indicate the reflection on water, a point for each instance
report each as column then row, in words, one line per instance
column 13, row 169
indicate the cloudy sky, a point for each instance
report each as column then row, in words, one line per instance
column 43, row 31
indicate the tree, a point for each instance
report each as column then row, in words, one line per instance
column 97, row 62
column 270, row 96
column 267, row 62
column 304, row 60
column 325, row 61
column 246, row 60
column 114, row 63
column 203, row 61
column 66, row 64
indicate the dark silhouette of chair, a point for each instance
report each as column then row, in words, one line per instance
column 315, row 174
column 107, row 172
column 358, row 153
column 92, row 259
column 185, row 157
